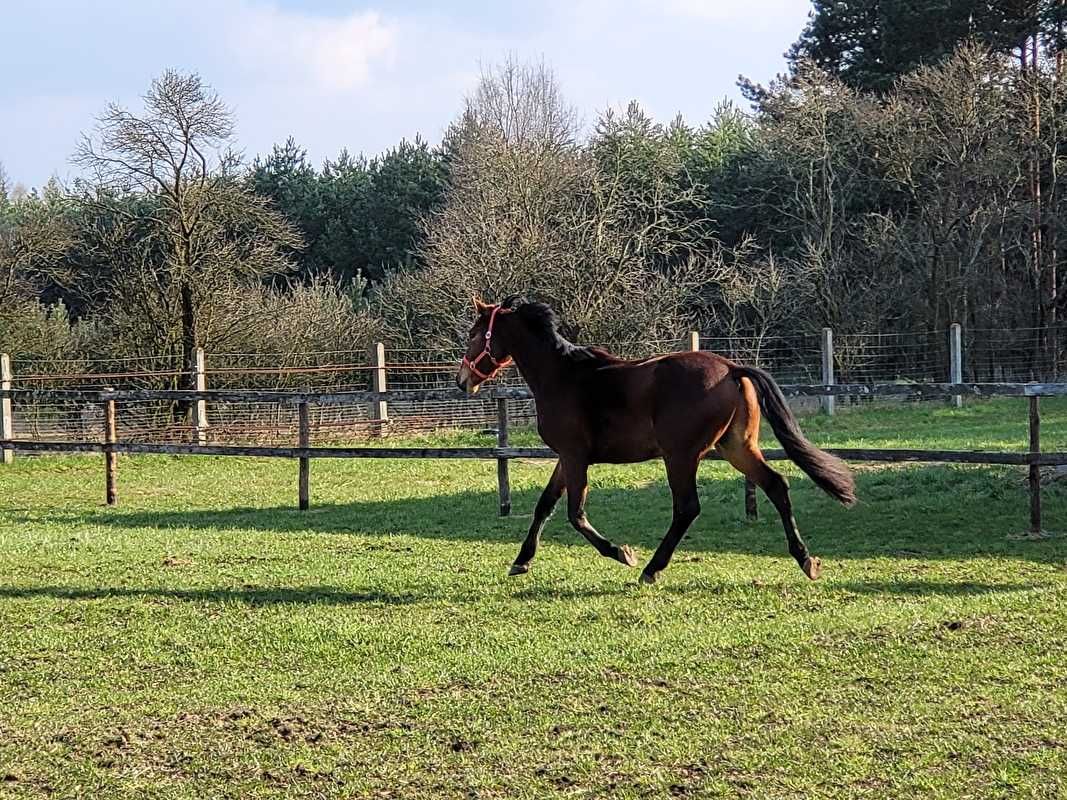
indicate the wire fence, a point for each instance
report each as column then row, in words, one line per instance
column 791, row 359
column 1016, row 355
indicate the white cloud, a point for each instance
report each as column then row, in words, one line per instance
column 332, row 54
column 366, row 76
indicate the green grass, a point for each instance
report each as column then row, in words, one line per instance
column 204, row 640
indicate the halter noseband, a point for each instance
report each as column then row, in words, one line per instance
column 487, row 352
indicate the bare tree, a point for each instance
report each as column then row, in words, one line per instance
column 756, row 295
column 178, row 215
column 530, row 210
column 520, row 104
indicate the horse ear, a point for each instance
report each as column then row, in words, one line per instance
column 513, row 301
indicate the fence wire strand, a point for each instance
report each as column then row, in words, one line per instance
column 989, row 355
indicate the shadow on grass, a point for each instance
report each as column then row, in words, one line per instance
column 332, row 595
column 919, row 512
column 703, row 588
column 254, row 596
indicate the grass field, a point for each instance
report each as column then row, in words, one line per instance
column 204, row 640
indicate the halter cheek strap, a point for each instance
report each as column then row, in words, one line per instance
column 487, row 352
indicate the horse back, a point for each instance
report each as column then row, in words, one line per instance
column 626, row 411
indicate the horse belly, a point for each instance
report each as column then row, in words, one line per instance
column 623, row 441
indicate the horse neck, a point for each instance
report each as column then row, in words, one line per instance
column 541, row 364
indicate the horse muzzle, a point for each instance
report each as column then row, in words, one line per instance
column 465, row 380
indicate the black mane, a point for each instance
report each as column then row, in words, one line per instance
column 543, row 322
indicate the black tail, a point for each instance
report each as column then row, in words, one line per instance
column 830, row 473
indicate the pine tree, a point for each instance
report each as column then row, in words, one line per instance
column 870, row 43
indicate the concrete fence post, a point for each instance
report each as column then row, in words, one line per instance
column 7, row 423
column 200, row 406
column 955, row 359
column 379, row 410
column 828, row 369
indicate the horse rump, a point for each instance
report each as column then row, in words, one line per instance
column 830, row 473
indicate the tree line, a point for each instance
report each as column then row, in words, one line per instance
column 872, row 188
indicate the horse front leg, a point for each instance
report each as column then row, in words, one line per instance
column 576, row 476
column 682, row 477
column 545, row 506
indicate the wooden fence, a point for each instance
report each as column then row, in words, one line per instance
column 502, row 453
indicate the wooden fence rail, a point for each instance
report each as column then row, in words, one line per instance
column 925, row 391
column 110, row 446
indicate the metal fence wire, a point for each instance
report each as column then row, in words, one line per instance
column 1016, row 355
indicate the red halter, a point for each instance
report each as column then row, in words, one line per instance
column 487, row 352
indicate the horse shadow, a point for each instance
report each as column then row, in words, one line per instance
column 914, row 513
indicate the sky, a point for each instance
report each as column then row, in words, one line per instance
column 363, row 75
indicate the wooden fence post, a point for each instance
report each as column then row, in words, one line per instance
column 751, row 507
column 503, row 478
column 111, row 458
column 379, row 410
column 1035, row 470
column 955, row 359
column 694, row 341
column 7, row 423
column 304, row 440
column 828, row 369
column 200, row 406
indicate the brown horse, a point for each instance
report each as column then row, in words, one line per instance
column 593, row 407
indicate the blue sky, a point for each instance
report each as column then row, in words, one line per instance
column 362, row 75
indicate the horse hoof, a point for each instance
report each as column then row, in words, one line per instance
column 626, row 556
column 647, row 578
column 812, row 567
column 518, row 569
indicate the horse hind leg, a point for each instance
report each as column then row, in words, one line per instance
column 744, row 455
